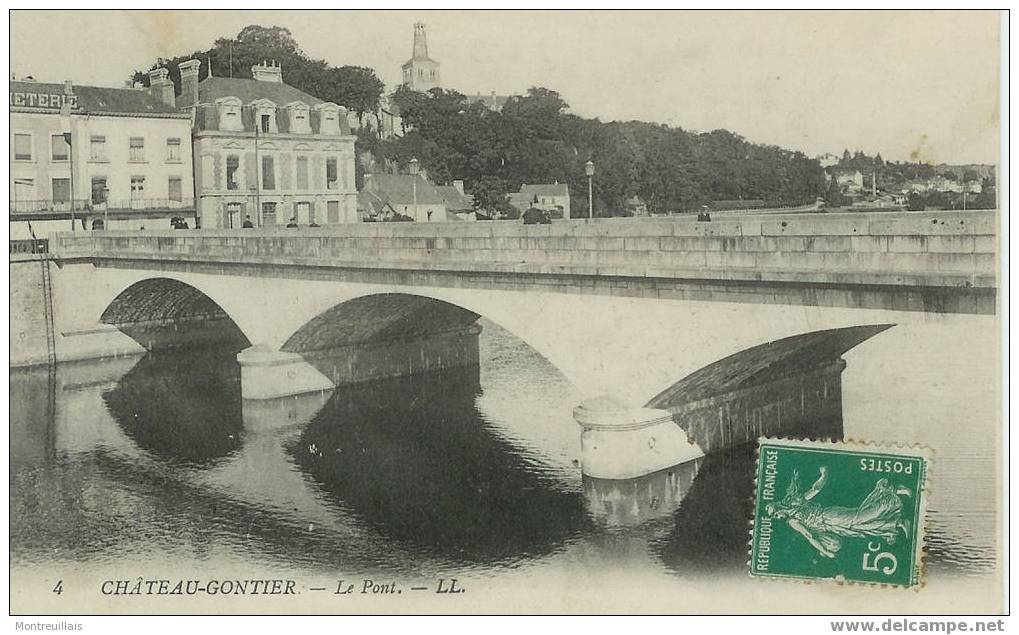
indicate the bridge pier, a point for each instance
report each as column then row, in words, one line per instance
column 621, row 442
column 268, row 374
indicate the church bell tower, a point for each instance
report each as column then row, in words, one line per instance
column 420, row 72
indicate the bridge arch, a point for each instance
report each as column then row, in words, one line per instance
column 165, row 312
column 381, row 316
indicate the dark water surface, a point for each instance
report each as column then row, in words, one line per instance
column 125, row 462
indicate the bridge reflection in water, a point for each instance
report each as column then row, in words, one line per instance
column 406, row 475
column 411, row 458
column 414, row 459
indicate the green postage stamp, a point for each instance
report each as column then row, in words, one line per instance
column 841, row 511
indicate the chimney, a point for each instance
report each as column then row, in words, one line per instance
column 269, row 71
column 189, row 83
column 161, row 87
column 459, row 185
column 68, row 88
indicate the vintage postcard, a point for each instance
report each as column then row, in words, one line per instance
column 506, row 312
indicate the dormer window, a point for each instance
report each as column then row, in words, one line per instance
column 329, row 115
column 265, row 116
column 300, row 122
column 229, row 109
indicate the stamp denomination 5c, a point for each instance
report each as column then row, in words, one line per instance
column 839, row 511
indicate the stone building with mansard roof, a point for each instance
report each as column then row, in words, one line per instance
column 268, row 151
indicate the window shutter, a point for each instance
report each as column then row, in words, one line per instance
column 311, row 212
column 217, row 171
column 250, row 171
column 295, row 211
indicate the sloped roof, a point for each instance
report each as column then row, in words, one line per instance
column 418, row 58
column 520, row 200
column 100, row 100
column 371, row 202
column 545, row 189
column 455, row 201
column 398, row 189
column 248, row 90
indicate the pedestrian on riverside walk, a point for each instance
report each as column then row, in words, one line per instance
column 247, row 224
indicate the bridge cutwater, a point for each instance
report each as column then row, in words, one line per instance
column 731, row 329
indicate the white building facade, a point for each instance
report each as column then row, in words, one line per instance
column 126, row 161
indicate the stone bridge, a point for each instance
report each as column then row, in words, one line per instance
column 628, row 310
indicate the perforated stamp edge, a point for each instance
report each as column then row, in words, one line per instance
column 850, row 445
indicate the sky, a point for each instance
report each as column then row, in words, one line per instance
column 912, row 85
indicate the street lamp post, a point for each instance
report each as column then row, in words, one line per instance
column 414, row 165
column 589, row 170
column 106, row 207
column 65, row 124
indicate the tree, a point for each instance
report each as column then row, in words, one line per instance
column 355, row 87
column 269, row 37
column 490, row 195
column 833, row 196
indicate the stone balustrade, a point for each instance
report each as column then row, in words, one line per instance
column 828, row 252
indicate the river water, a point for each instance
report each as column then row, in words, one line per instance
column 155, row 467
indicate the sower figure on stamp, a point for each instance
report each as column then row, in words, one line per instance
column 878, row 516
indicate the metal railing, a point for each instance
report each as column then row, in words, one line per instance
column 28, row 207
column 30, row 246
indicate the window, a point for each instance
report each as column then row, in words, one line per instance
column 137, row 187
column 302, row 173
column 61, row 190
column 268, row 174
column 24, row 190
column 98, row 190
column 173, row 150
column 60, row 147
column 97, row 148
column 303, row 213
column 137, row 149
column 333, row 212
column 233, row 215
column 268, row 214
column 331, row 182
column 265, row 123
column 174, row 188
column 233, row 162
column 23, row 147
